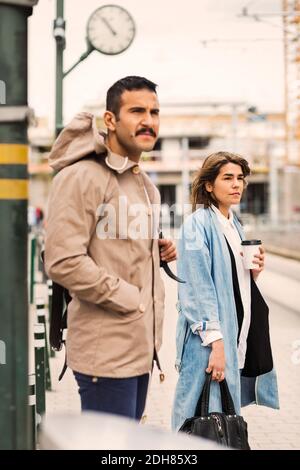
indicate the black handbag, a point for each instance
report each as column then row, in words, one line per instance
column 225, row 428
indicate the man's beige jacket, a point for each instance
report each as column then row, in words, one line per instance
column 101, row 244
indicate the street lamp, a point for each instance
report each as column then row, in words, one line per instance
column 110, row 30
column 59, row 35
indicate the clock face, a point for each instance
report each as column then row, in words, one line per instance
column 110, row 29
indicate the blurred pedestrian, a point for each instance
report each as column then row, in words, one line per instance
column 102, row 245
column 223, row 319
column 39, row 214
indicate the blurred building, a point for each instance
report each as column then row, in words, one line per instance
column 291, row 28
column 189, row 132
column 40, row 174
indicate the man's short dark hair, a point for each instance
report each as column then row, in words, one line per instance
column 113, row 97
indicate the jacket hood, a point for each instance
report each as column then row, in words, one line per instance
column 78, row 139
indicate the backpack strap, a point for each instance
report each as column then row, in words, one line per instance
column 56, row 317
column 65, row 366
column 58, row 320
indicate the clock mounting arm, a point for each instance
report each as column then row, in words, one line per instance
column 83, row 56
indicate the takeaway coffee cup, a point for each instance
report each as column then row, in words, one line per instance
column 250, row 248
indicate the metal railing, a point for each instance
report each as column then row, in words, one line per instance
column 40, row 305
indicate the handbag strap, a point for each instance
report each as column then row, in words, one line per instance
column 226, row 398
column 203, row 402
column 227, row 401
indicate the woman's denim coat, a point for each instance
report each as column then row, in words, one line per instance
column 206, row 301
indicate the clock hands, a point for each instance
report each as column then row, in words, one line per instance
column 108, row 25
column 110, row 29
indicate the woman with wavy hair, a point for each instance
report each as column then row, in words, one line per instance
column 223, row 319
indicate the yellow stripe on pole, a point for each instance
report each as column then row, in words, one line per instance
column 13, row 154
column 13, row 189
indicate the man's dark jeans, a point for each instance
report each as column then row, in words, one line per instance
column 125, row 397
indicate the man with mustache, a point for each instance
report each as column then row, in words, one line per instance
column 116, row 312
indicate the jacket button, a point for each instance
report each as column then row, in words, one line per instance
column 95, row 379
column 142, row 308
column 136, row 170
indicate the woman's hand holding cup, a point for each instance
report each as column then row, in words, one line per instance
column 259, row 260
column 253, row 256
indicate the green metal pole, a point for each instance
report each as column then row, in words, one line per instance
column 40, row 377
column 15, row 429
column 59, row 34
column 32, row 266
column 41, row 318
column 31, row 404
column 50, row 293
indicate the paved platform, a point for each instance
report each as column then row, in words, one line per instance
column 280, row 242
column 268, row 429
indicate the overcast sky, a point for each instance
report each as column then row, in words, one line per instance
column 167, row 49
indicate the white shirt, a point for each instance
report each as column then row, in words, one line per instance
column 232, row 235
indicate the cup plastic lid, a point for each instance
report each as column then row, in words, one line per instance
column 251, row 242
